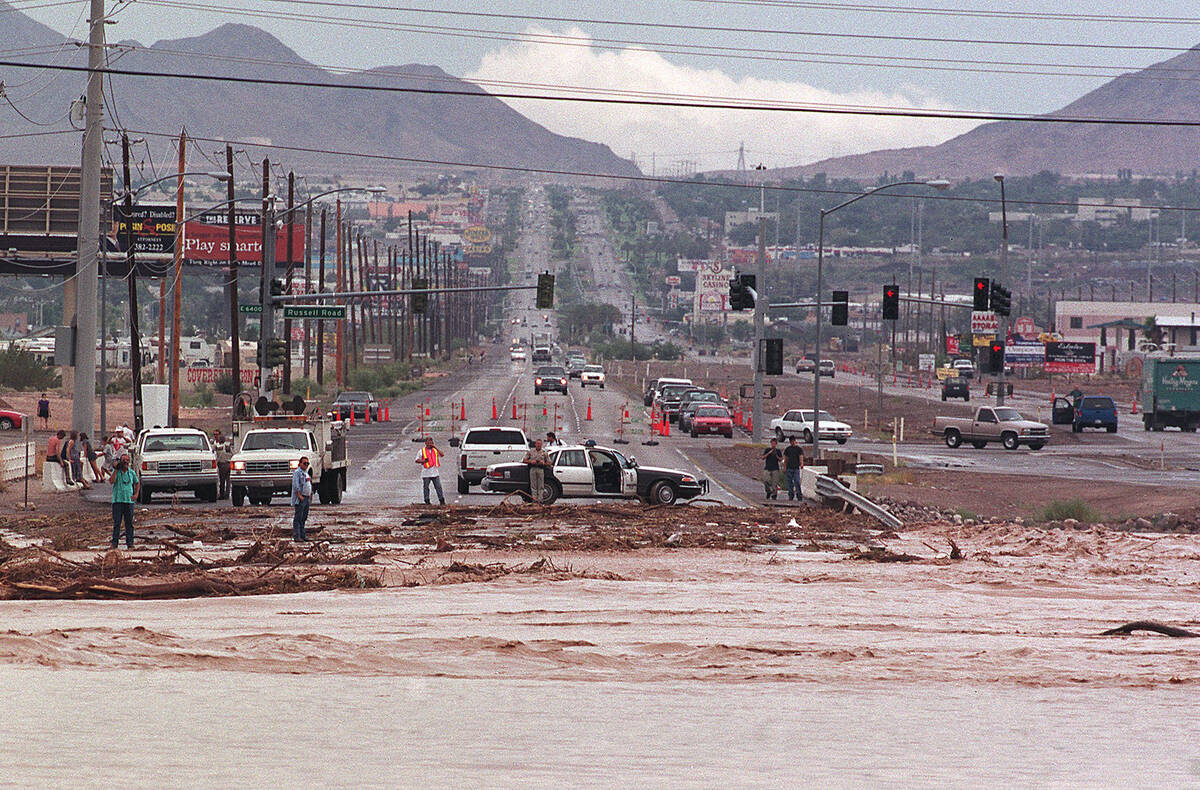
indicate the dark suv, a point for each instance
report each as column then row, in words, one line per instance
column 358, row 403
column 550, row 377
column 956, row 387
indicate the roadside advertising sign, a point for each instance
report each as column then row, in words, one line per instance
column 712, row 288
column 926, row 361
column 674, row 279
column 153, row 228
column 477, row 234
column 982, row 341
column 984, row 322
column 1025, row 327
column 1064, row 357
column 690, row 265
column 947, row 373
column 951, row 344
column 209, row 244
column 1024, row 353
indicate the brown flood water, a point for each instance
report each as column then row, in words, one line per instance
column 705, row 669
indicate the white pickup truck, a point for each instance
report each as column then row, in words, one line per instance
column 482, row 447
column 175, row 459
column 269, row 451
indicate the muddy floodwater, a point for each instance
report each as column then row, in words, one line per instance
column 696, row 669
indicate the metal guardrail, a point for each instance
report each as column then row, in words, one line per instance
column 832, row 488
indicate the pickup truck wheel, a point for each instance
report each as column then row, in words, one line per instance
column 979, row 445
column 239, row 496
column 663, row 493
column 1036, row 445
column 842, row 440
column 602, row 386
column 463, row 486
column 207, row 493
column 1113, row 428
column 335, row 490
column 1009, row 440
column 807, row 436
column 144, row 496
column 953, row 438
column 779, row 434
column 1075, row 428
column 323, row 489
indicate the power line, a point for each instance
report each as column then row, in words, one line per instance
column 763, row 105
column 631, row 178
column 981, row 13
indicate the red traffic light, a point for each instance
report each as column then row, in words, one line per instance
column 981, row 285
column 997, row 348
column 890, row 292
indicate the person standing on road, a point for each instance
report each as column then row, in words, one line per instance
column 430, row 460
column 70, row 457
column 125, row 490
column 537, row 461
column 301, row 500
column 771, row 458
column 552, row 439
column 793, row 456
column 224, row 459
column 43, row 411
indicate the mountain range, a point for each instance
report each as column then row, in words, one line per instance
column 456, row 129
column 1166, row 90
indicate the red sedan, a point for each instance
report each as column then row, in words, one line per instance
column 10, row 420
column 712, row 420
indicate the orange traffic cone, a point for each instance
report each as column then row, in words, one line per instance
column 1134, row 410
column 495, row 415
column 367, row 415
column 666, row 424
column 514, row 408
column 750, row 426
column 462, row 413
column 387, row 413
column 588, row 418
column 351, row 416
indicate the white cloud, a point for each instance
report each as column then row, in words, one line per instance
column 776, row 139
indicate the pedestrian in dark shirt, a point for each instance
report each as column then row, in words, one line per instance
column 771, row 474
column 43, row 411
column 793, row 456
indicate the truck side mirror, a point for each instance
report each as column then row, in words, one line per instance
column 455, row 441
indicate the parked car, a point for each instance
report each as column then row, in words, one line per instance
column 10, row 420
column 799, row 423
column 356, row 403
column 1089, row 411
column 484, row 446
column 550, row 377
column 956, row 387
column 593, row 471
column 710, row 419
column 692, row 400
column 1002, row 424
column 593, row 375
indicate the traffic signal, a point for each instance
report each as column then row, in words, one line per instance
column 741, row 291
column 277, row 287
column 1001, row 300
column 276, row 353
column 420, row 302
column 841, row 308
column 982, row 294
column 992, row 358
column 545, row 291
column 772, row 356
column 891, row 303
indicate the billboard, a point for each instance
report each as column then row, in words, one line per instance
column 712, row 288
column 153, row 228
column 39, row 207
column 1024, row 353
column 1062, row 357
column 209, row 244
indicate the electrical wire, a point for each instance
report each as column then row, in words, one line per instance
column 980, row 13
column 750, row 104
column 638, row 178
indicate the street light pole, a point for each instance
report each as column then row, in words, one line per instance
column 1001, row 334
column 938, row 184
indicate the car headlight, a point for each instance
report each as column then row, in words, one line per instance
column 238, row 466
column 149, row 466
column 293, row 465
column 562, row 381
column 538, row 382
column 687, row 479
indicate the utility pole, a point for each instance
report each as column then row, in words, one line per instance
column 266, row 332
column 1000, row 328
column 308, row 289
column 83, row 405
column 135, row 339
column 760, row 311
column 176, row 290
column 632, row 325
column 321, row 290
column 339, row 357
column 287, row 322
column 235, row 319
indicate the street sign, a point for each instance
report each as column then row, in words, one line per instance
column 747, row 391
column 947, row 373
column 250, row 309
column 1025, row 327
column 984, row 322
column 951, row 344
column 982, row 341
column 335, row 312
column 925, row 361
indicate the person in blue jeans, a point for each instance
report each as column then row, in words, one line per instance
column 125, row 490
column 793, row 462
column 301, row 499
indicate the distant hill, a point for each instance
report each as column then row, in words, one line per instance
column 424, row 126
column 1164, row 90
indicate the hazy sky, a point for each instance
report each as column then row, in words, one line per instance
column 783, row 66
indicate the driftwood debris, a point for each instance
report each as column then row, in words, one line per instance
column 1148, row 625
